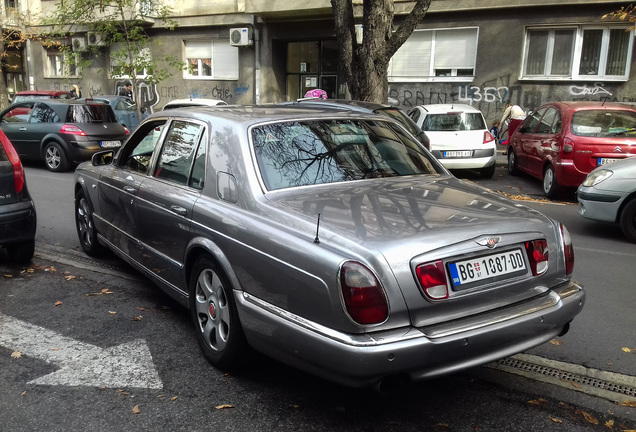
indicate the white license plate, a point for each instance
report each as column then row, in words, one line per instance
column 605, row 161
column 492, row 267
column 110, row 144
column 458, row 153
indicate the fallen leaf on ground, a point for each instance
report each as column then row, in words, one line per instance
column 224, row 406
column 57, row 303
column 16, row 354
column 589, row 418
column 629, row 404
column 556, row 420
column 629, row 350
column 8, row 276
column 112, row 312
column 137, row 318
column 136, row 409
column 104, row 291
column 555, row 342
column 537, row 401
column 23, row 393
column 174, row 398
column 69, row 277
column 609, row 424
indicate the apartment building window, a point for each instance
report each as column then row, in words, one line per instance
column 211, row 59
column 11, row 4
column 60, row 64
column 120, row 61
column 436, row 55
column 577, row 53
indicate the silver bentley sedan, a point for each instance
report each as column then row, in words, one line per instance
column 329, row 240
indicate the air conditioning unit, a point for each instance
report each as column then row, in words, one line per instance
column 78, row 43
column 241, row 36
column 95, row 39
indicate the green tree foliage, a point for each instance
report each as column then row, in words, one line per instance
column 122, row 25
column 365, row 65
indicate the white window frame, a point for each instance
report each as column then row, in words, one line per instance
column 116, row 47
column 56, row 64
column 430, row 61
column 574, row 74
column 224, row 59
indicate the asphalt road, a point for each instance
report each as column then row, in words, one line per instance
column 91, row 345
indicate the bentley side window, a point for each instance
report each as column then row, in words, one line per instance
column 178, row 152
column 137, row 154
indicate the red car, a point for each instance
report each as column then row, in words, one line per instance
column 28, row 95
column 561, row 142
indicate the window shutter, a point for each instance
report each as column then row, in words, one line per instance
column 455, row 49
column 413, row 58
column 225, row 61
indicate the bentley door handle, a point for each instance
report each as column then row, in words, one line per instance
column 179, row 210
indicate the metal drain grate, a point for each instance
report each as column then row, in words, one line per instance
column 569, row 376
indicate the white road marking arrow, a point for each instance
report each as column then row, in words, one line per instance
column 81, row 364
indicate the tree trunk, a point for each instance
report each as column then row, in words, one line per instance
column 365, row 65
column 4, row 94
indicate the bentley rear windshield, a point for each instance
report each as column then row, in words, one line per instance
column 313, row 152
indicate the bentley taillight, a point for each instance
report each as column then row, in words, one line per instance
column 432, row 278
column 537, row 251
column 568, row 249
column 362, row 293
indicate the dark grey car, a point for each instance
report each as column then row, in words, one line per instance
column 17, row 211
column 61, row 132
column 367, row 107
column 331, row 241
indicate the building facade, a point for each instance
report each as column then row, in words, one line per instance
column 484, row 53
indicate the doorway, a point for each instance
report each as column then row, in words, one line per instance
column 312, row 65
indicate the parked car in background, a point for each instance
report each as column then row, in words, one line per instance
column 562, row 142
column 125, row 110
column 199, row 102
column 330, row 240
column 608, row 194
column 366, row 107
column 459, row 136
column 61, row 132
column 18, row 220
column 28, row 95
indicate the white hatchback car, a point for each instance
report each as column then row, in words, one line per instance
column 181, row 103
column 459, row 136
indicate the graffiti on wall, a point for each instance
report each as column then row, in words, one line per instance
column 491, row 96
column 146, row 97
column 587, row 90
column 224, row 93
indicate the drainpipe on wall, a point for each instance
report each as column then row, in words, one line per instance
column 257, row 66
column 28, row 64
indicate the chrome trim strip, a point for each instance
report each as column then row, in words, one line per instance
column 552, row 299
column 140, row 267
column 138, row 242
